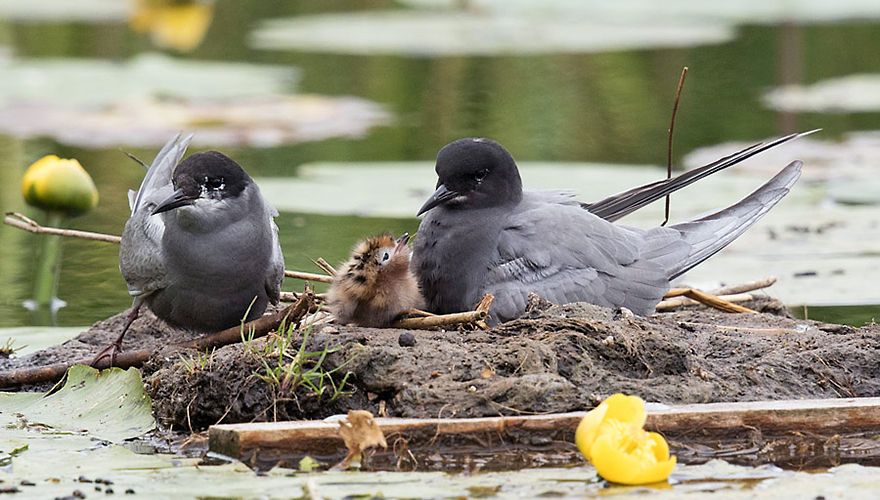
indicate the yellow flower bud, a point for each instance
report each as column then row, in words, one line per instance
column 171, row 24
column 612, row 438
column 59, row 185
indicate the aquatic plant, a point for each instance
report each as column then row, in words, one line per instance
column 612, row 437
column 289, row 367
column 63, row 189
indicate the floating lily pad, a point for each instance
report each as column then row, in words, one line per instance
column 440, row 33
column 98, row 82
column 64, row 10
column 494, row 27
column 28, row 339
column 849, row 94
column 96, row 103
column 739, row 11
column 110, row 404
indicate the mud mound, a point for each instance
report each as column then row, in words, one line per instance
column 560, row 359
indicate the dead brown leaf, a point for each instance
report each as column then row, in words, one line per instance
column 360, row 432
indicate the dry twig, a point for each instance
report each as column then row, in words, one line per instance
column 477, row 316
column 724, row 298
column 325, row 266
column 21, row 221
column 684, row 72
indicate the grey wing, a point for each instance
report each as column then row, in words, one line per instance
column 275, row 273
column 565, row 254
column 140, row 251
column 159, row 173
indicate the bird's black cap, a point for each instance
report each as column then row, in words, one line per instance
column 211, row 174
column 475, row 173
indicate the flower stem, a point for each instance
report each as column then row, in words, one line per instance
column 49, row 266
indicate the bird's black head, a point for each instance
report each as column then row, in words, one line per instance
column 209, row 175
column 475, row 173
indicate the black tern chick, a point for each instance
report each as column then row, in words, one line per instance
column 484, row 234
column 375, row 286
column 201, row 247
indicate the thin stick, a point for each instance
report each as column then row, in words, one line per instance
column 478, row 315
column 678, row 89
column 748, row 286
column 325, row 266
column 320, row 278
column 260, row 327
column 428, row 322
column 22, row 222
column 293, row 296
column 713, row 301
column 679, row 301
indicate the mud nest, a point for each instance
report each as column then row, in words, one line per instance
column 556, row 359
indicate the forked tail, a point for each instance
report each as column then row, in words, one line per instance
column 711, row 233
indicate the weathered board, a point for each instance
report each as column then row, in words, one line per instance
column 801, row 433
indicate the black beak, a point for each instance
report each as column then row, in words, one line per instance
column 177, row 199
column 401, row 242
column 440, row 196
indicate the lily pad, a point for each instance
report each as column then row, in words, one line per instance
column 99, row 82
column 740, row 11
column 495, row 27
column 849, row 94
column 64, row 10
column 443, row 33
column 91, row 103
column 28, row 339
column 110, row 404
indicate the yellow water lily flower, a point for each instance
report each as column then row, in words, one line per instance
column 59, row 185
column 173, row 24
column 612, row 438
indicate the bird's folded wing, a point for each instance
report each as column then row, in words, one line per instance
column 159, row 174
column 275, row 272
column 565, row 254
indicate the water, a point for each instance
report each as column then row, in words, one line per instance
column 610, row 106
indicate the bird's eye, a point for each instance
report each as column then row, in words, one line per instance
column 479, row 176
column 214, row 183
column 383, row 258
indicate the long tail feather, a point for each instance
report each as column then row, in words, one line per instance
column 619, row 205
column 711, row 233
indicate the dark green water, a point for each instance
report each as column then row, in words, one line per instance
column 610, row 107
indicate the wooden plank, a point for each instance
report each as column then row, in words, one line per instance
column 716, row 425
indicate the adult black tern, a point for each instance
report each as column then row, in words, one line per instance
column 201, row 247
column 484, row 234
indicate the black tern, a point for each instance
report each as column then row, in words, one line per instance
column 201, row 247
column 375, row 286
column 484, row 234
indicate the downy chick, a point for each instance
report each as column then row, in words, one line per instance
column 376, row 285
